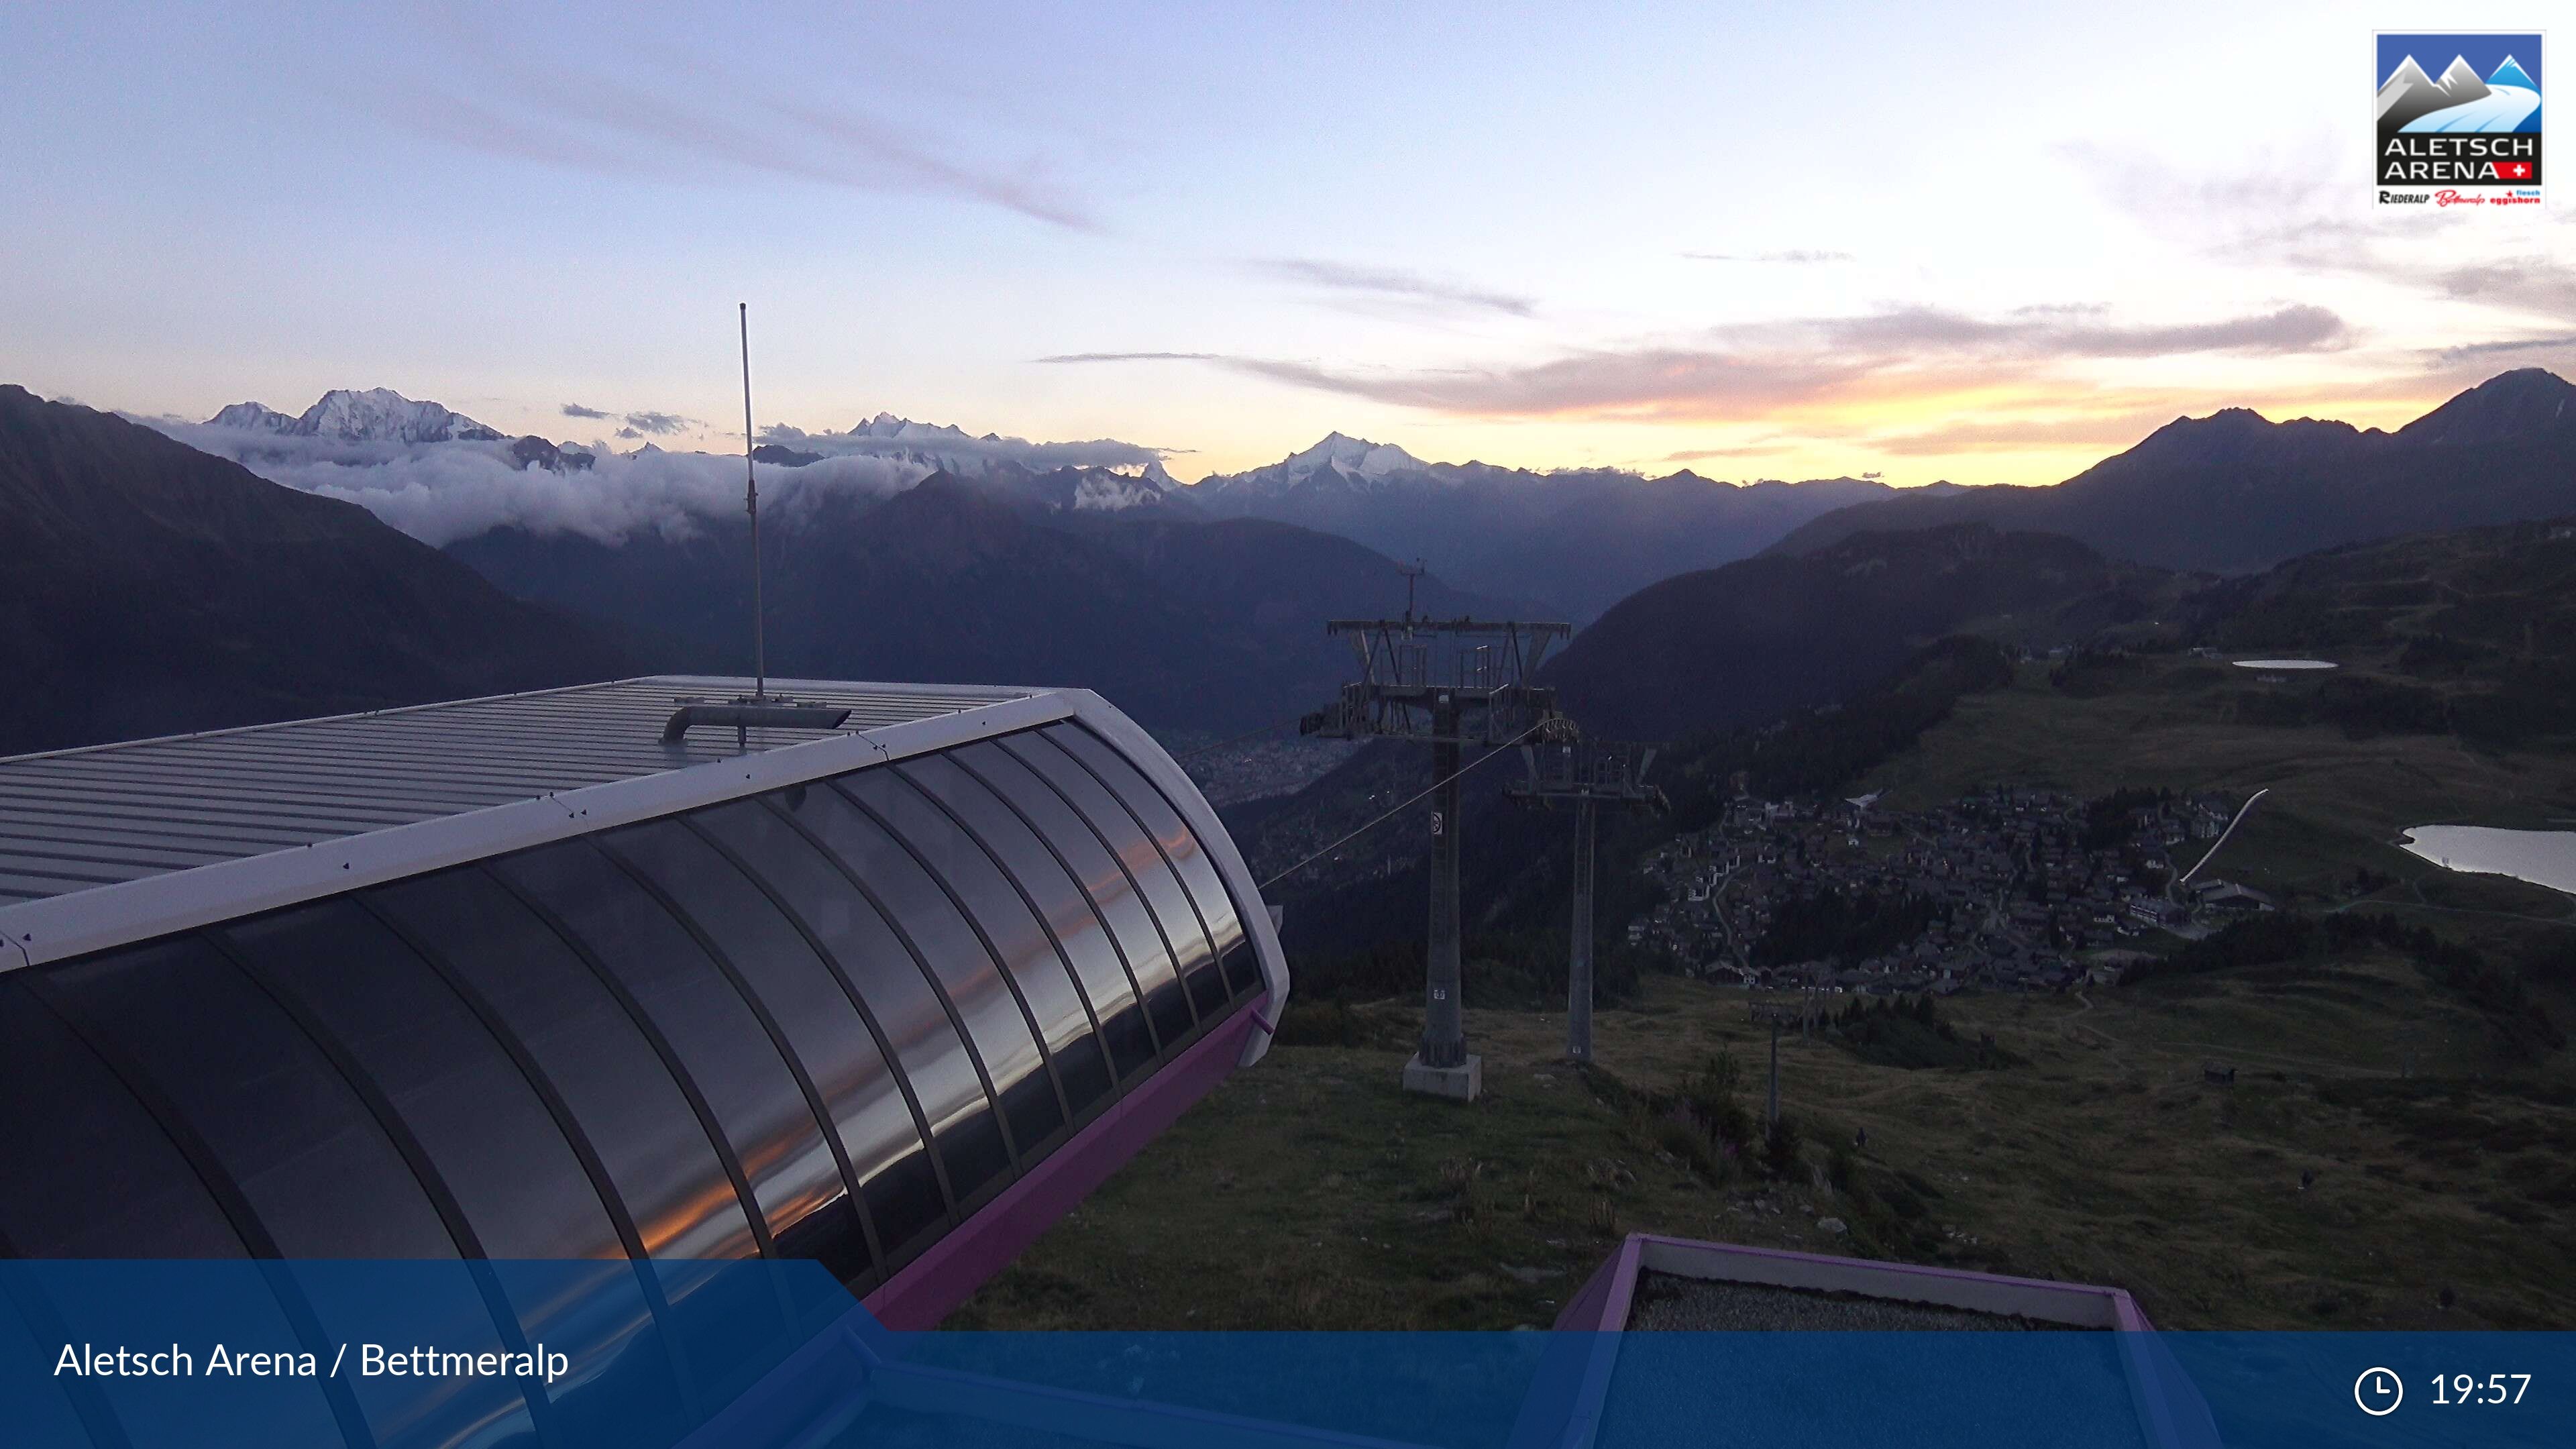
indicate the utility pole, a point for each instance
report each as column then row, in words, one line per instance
column 1778, row 1017
column 1449, row 684
column 751, row 506
column 1589, row 776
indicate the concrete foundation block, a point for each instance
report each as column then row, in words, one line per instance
column 1457, row 1083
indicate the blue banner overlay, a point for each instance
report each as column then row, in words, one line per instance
column 752, row 1354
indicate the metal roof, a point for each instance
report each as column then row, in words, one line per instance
column 76, row 820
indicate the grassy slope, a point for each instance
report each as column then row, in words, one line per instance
column 1309, row 1192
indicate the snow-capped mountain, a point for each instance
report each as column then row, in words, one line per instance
column 2511, row 74
column 887, row 425
column 1338, row 464
column 1079, row 490
column 252, row 417
column 381, row 414
column 376, row 415
column 1357, row 457
column 1573, row 539
column 992, row 457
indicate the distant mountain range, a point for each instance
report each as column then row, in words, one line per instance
column 378, row 414
column 942, row 448
column 1184, row 622
column 1195, row 607
column 151, row 588
column 1071, row 489
column 1576, row 541
column 2235, row 492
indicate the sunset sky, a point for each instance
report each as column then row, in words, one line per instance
column 1986, row 243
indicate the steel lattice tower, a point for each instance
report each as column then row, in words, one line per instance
column 1450, row 684
column 1590, row 776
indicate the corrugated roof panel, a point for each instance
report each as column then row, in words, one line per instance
column 71, row 820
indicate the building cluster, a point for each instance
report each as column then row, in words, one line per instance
column 2014, row 890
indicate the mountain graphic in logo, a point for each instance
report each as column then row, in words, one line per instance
column 2504, row 102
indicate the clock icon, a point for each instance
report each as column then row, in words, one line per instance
column 2378, row 1392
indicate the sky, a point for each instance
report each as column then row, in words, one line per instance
column 1988, row 243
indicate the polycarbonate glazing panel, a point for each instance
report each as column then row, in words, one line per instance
column 1009, row 926
column 1243, row 969
column 1077, row 928
column 491, row 1138
column 831, row 1041
column 309, row 1157
column 1189, row 858
column 653, row 1148
column 312, row 1161
column 1110, row 888
column 88, row 1173
column 865, row 952
column 947, row 945
column 1163, row 892
column 716, row 1038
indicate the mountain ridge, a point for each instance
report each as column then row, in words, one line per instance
column 155, row 589
column 2235, row 492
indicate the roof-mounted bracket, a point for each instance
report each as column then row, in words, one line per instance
column 782, row 715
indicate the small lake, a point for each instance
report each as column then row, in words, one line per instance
column 2542, row 857
column 2283, row 664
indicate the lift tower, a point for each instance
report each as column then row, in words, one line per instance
column 1589, row 776
column 1446, row 683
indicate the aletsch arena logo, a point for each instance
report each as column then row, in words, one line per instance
column 2467, row 133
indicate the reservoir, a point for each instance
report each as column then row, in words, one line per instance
column 2542, row 857
column 2283, row 664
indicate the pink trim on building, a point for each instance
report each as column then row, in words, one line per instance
column 930, row 1287
column 1604, row 1302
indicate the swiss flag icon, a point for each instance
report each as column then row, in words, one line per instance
column 2514, row 170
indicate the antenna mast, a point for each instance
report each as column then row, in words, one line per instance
column 751, row 505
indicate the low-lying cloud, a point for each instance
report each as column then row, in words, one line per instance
column 957, row 450
column 442, row 492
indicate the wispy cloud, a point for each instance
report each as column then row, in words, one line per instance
column 2293, row 212
column 1753, row 370
column 1393, row 284
column 567, row 113
column 661, row 425
column 1133, row 357
column 1795, row 256
column 2542, row 285
column 576, row 410
column 2472, row 352
column 2073, row 332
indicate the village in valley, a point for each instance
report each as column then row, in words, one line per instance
column 2004, row 890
